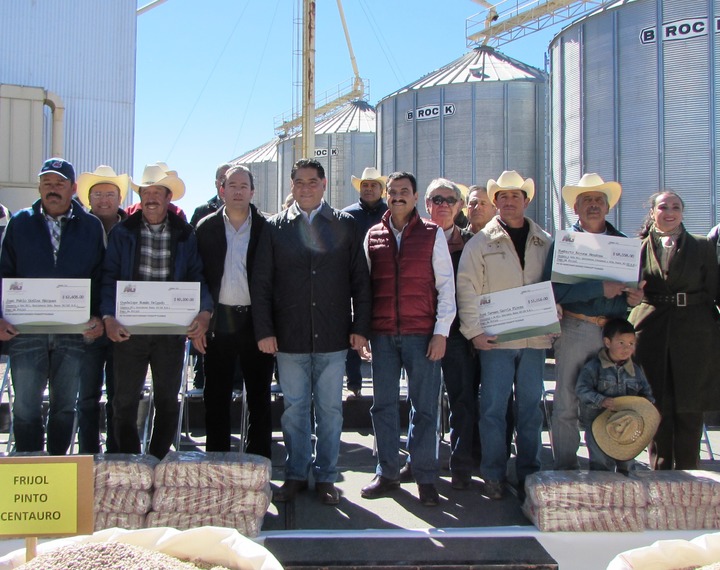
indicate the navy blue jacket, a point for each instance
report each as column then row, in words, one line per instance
column 365, row 216
column 310, row 285
column 122, row 259
column 27, row 250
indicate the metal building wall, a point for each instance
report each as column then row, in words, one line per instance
column 646, row 112
column 495, row 125
column 342, row 156
column 263, row 164
column 84, row 51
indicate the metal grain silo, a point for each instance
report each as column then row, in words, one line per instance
column 82, row 52
column 468, row 121
column 635, row 99
column 344, row 145
column 263, row 164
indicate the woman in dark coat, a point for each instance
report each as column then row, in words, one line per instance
column 678, row 339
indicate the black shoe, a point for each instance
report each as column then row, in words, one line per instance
column 379, row 487
column 289, row 489
column 461, row 481
column 355, row 393
column 406, row 475
column 493, row 489
column 428, row 494
column 328, row 493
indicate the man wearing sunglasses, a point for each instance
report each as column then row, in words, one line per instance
column 413, row 308
column 443, row 201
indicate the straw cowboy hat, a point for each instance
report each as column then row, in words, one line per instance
column 592, row 183
column 510, row 180
column 103, row 175
column 624, row 432
column 369, row 173
column 156, row 175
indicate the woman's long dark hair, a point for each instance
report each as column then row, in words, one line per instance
column 648, row 221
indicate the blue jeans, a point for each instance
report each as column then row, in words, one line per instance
column 37, row 361
column 315, row 378
column 579, row 342
column 501, row 369
column 599, row 460
column 390, row 355
column 98, row 368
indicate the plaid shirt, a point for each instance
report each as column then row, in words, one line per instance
column 154, row 252
column 55, row 227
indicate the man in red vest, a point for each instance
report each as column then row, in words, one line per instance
column 413, row 308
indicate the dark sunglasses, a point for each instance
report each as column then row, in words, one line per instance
column 439, row 200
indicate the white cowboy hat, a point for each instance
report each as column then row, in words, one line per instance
column 103, row 175
column 510, row 180
column 591, row 182
column 624, row 432
column 370, row 173
column 156, row 175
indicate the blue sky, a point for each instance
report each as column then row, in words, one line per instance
column 213, row 75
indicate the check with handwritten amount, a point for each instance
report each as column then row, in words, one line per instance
column 582, row 256
column 46, row 306
column 521, row 312
column 157, row 307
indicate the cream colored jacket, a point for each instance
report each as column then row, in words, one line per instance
column 490, row 263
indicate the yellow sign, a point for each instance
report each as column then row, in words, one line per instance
column 46, row 496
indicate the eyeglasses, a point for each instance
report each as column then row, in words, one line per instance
column 440, row 200
column 101, row 195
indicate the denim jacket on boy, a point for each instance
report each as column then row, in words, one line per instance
column 601, row 378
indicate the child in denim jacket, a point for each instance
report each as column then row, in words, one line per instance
column 610, row 374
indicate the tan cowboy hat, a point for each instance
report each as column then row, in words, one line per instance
column 156, row 175
column 370, row 173
column 591, row 182
column 624, row 432
column 510, row 180
column 103, row 175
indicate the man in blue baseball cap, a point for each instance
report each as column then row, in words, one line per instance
column 54, row 238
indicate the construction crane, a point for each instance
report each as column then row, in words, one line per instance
column 507, row 20
column 350, row 90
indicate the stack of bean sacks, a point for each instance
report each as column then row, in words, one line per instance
column 211, row 489
column 585, row 501
column 682, row 500
column 123, row 490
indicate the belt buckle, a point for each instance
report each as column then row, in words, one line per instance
column 681, row 299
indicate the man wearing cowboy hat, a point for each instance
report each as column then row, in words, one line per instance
column 101, row 192
column 510, row 251
column 367, row 212
column 586, row 307
column 413, row 309
column 54, row 238
column 153, row 244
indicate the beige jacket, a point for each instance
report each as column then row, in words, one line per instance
column 490, row 263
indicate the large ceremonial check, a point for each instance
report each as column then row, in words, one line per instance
column 157, row 307
column 518, row 313
column 582, row 256
column 46, row 306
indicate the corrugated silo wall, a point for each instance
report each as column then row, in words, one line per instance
column 341, row 154
column 83, row 51
column 266, row 197
column 634, row 98
column 485, row 128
